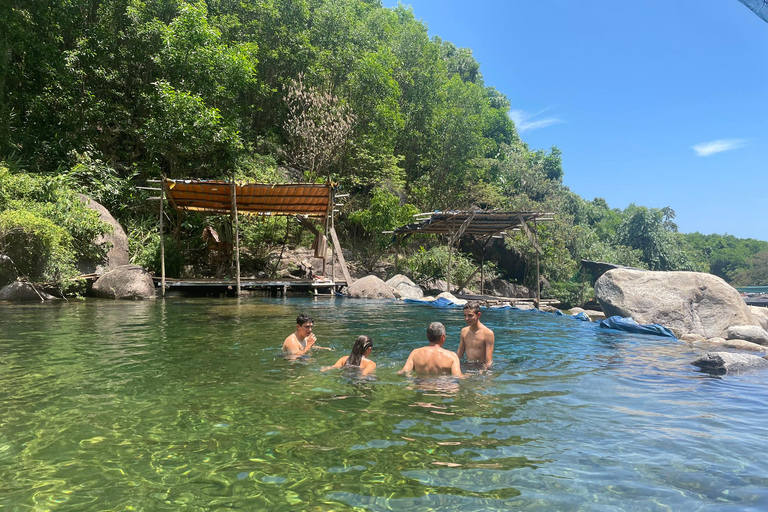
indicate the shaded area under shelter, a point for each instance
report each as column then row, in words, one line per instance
column 482, row 226
column 303, row 201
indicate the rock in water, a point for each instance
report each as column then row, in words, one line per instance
column 126, row 282
column 407, row 288
column 685, row 302
column 727, row 362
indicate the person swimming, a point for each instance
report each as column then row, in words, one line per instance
column 358, row 357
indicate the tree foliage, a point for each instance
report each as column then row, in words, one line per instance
column 104, row 94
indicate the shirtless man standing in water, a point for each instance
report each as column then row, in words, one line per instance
column 476, row 339
column 303, row 340
column 433, row 359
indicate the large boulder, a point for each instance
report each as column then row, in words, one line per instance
column 727, row 362
column 502, row 288
column 118, row 254
column 685, row 302
column 407, row 288
column 19, row 291
column 126, row 282
column 371, row 287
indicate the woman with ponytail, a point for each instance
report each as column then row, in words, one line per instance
column 358, row 358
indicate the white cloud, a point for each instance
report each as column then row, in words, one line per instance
column 525, row 121
column 718, row 146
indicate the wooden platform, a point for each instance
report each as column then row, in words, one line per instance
column 265, row 287
column 511, row 300
column 756, row 301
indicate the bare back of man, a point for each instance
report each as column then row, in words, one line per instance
column 433, row 359
column 477, row 340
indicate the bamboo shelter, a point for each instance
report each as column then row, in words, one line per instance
column 482, row 226
column 300, row 200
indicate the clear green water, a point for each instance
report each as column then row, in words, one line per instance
column 188, row 403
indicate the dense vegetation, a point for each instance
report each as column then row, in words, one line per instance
column 102, row 95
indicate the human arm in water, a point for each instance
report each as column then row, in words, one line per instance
column 367, row 366
column 408, row 367
column 462, row 347
column 489, row 342
column 338, row 364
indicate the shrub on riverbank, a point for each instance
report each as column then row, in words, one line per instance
column 45, row 229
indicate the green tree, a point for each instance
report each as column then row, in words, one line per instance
column 367, row 226
column 650, row 231
column 756, row 273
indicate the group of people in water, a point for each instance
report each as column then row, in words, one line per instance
column 476, row 343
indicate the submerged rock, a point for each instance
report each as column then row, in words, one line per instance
column 727, row 362
column 685, row 302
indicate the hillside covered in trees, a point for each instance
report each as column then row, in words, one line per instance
column 98, row 96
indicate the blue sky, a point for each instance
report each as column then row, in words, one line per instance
column 654, row 102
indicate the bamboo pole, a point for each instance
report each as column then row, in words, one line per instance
column 162, row 244
column 538, row 258
column 233, row 193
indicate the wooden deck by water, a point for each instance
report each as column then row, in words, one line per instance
column 265, row 287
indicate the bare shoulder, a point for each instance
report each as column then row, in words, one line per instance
column 485, row 329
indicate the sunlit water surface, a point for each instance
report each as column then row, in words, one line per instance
column 188, row 403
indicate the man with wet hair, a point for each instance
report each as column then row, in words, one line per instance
column 433, row 359
column 476, row 340
column 301, row 341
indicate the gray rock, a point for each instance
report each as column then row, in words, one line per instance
column 727, row 362
column 370, row 287
column 407, row 288
column 753, row 333
column 19, row 291
column 118, row 254
column 761, row 315
column 691, row 337
column 745, row 345
column 502, row 288
column 720, row 343
column 685, row 302
column 594, row 315
column 452, row 298
column 125, row 282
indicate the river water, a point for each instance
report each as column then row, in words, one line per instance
column 188, row 403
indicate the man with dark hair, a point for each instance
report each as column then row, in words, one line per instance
column 433, row 359
column 301, row 341
column 476, row 340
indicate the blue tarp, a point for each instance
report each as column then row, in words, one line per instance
column 440, row 302
column 583, row 317
column 629, row 325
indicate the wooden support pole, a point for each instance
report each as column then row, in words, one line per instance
column 340, row 255
column 448, row 270
column 233, row 194
column 538, row 258
column 162, row 244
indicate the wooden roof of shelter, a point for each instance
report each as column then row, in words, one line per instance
column 313, row 200
column 477, row 223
